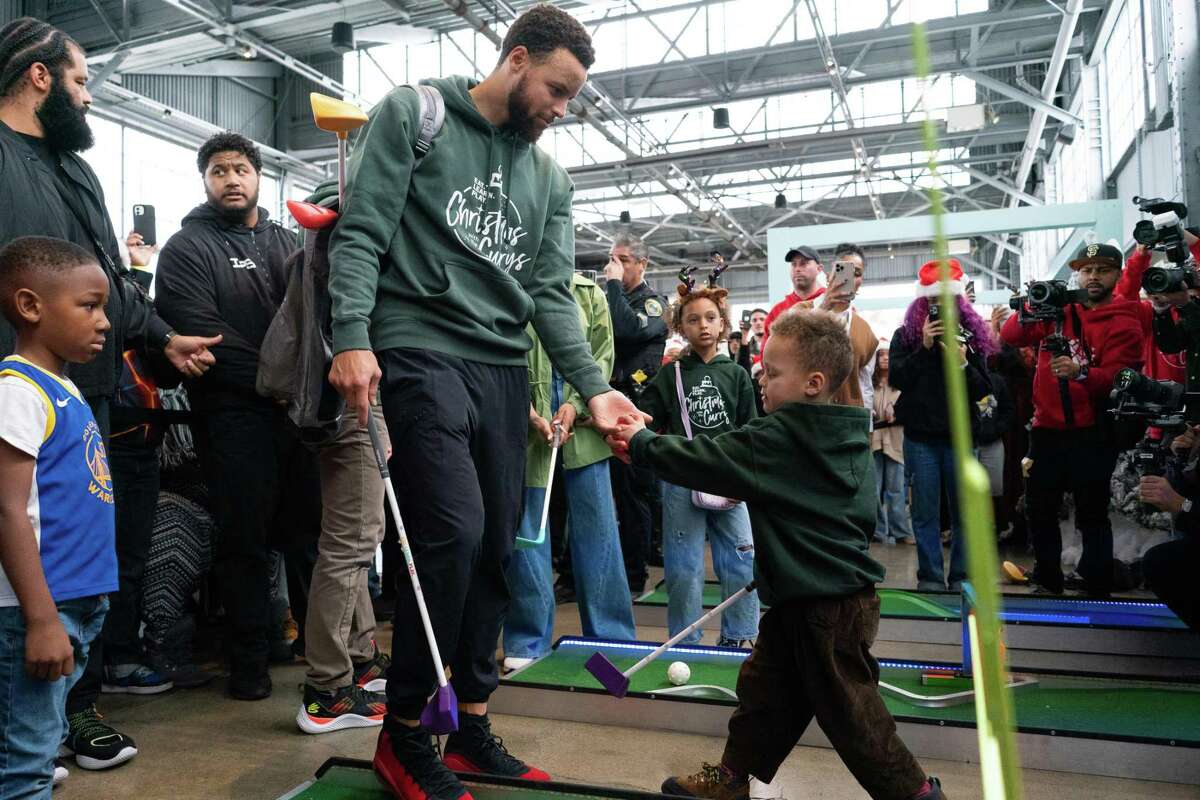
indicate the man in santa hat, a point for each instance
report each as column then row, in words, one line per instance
column 1071, row 447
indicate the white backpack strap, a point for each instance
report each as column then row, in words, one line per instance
column 433, row 115
column 683, row 412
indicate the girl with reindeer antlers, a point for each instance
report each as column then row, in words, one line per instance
column 704, row 393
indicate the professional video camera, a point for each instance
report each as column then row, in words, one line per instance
column 1044, row 301
column 1161, row 405
column 1164, row 232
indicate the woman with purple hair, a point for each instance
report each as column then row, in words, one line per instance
column 917, row 372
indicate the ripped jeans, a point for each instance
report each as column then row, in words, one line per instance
column 685, row 528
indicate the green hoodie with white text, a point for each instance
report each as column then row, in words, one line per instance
column 459, row 254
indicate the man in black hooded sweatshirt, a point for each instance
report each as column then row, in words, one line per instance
column 224, row 272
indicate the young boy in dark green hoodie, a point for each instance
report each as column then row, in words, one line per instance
column 811, row 535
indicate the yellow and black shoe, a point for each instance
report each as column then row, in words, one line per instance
column 712, row 782
column 347, row 707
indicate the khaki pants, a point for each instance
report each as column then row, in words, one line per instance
column 812, row 659
column 340, row 629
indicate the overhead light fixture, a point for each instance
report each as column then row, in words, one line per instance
column 341, row 38
column 780, row 201
column 625, row 218
column 248, row 52
column 721, row 117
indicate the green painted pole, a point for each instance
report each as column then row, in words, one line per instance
column 993, row 700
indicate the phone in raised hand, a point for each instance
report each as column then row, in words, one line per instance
column 841, row 280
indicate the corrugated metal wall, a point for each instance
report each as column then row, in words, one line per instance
column 217, row 100
column 10, row 10
column 301, row 133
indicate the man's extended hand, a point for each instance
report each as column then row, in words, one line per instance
column 566, row 419
column 1185, row 441
column 539, row 425
column 608, row 408
column 1155, row 490
column 356, row 374
column 190, row 354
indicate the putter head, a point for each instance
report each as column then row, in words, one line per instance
column 611, row 678
column 335, row 116
column 311, row 216
column 440, row 716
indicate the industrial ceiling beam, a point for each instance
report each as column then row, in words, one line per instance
column 287, row 61
column 1013, row 93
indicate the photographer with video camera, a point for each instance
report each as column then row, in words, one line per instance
column 1170, row 568
column 1164, row 284
column 1084, row 338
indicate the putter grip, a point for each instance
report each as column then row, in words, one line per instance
column 377, row 445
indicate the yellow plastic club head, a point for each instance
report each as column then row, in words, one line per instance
column 336, row 116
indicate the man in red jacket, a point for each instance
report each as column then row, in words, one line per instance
column 806, row 267
column 1155, row 363
column 1072, row 450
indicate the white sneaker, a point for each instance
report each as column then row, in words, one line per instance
column 512, row 664
column 60, row 773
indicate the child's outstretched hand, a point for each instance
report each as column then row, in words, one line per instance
column 625, row 429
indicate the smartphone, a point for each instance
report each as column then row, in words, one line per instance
column 935, row 312
column 143, row 223
column 746, row 318
column 841, row 279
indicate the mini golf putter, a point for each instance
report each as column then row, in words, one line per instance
column 616, row 682
column 338, row 117
column 440, row 715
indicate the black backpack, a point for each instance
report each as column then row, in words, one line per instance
column 297, row 351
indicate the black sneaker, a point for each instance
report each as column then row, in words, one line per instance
column 347, row 707
column 95, row 744
column 740, row 644
column 474, row 748
column 169, row 653
column 407, row 763
column 249, row 685
column 372, row 675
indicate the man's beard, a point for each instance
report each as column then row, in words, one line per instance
column 230, row 213
column 63, row 122
column 520, row 121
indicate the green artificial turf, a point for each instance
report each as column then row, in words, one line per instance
column 1094, row 706
column 893, row 602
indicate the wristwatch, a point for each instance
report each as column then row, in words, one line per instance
column 168, row 337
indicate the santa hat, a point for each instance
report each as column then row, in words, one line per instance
column 929, row 278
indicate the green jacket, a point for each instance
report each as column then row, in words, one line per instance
column 805, row 473
column 719, row 395
column 586, row 446
column 458, row 255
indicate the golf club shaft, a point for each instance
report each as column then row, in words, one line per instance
column 677, row 638
column 549, row 486
column 381, row 460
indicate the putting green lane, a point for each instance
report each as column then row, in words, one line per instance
column 1087, row 706
column 899, row 603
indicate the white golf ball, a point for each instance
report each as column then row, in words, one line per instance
column 679, row 673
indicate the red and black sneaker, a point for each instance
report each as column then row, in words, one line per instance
column 474, row 748
column 408, row 764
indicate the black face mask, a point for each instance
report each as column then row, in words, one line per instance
column 64, row 123
column 520, row 121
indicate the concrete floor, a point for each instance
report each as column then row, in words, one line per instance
column 200, row 745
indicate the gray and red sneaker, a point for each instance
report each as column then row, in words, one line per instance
column 407, row 763
column 474, row 748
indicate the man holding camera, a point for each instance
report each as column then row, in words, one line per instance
column 1157, row 363
column 1084, row 339
column 1171, row 568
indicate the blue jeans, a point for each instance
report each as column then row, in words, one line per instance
column 891, row 515
column 684, row 529
column 605, row 608
column 33, row 713
column 929, row 465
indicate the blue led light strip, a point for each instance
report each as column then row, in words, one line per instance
column 918, row 665
column 594, row 643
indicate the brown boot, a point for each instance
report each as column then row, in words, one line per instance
column 711, row 782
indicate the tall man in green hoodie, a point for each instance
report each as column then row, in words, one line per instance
column 436, row 270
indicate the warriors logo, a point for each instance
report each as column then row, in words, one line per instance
column 100, row 485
